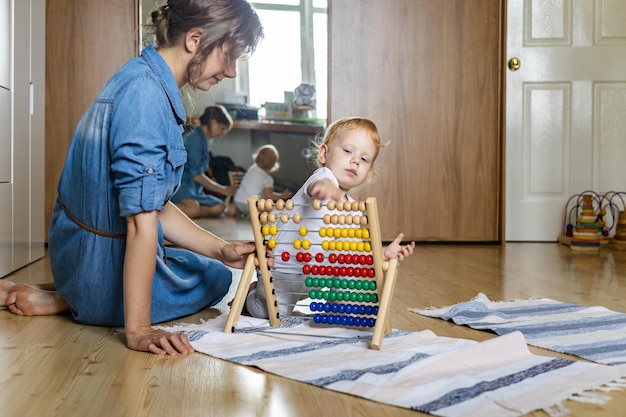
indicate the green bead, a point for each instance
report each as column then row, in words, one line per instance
column 308, row 281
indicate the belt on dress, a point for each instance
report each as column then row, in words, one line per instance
column 89, row 228
column 100, row 232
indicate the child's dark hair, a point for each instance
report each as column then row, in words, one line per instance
column 217, row 113
column 223, row 21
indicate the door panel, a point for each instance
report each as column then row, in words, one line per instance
column 565, row 109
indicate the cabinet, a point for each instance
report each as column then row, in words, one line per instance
column 22, row 179
column 429, row 74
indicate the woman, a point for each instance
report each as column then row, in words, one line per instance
column 125, row 161
column 215, row 122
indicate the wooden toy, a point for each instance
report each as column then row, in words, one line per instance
column 348, row 281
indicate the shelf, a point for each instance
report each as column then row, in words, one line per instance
column 278, row 126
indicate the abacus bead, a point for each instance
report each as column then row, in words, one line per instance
column 340, row 205
column 353, row 245
column 356, row 219
column 306, row 269
column 303, row 231
column 306, row 244
column 339, row 245
column 325, row 245
column 269, row 204
column 265, row 230
column 289, row 204
column 263, row 217
column 342, row 219
column 362, row 206
column 297, row 218
column 273, row 230
column 363, row 220
column 284, row 217
column 326, row 218
column 354, row 205
column 322, row 232
column 366, row 233
column 280, row 204
column 271, row 243
column 319, row 257
column 307, row 257
column 334, row 219
column 297, row 244
column 285, row 256
column 349, row 219
column 332, row 258
column 330, row 205
column 271, row 217
column 317, row 204
column 260, row 204
column 299, row 256
column 367, row 246
column 308, row 281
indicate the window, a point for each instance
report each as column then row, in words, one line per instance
column 293, row 51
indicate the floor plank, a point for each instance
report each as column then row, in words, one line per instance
column 51, row 366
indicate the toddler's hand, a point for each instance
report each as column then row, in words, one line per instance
column 395, row 250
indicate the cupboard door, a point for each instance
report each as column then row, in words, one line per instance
column 428, row 74
column 5, row 135
column 5, row 43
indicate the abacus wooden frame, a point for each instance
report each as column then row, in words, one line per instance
column 385, row 274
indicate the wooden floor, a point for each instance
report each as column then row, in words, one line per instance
column 51, row 366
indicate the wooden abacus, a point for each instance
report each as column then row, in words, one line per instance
column 360, row 298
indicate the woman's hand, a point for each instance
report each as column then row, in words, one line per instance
column 234, row 254
column 158, row 342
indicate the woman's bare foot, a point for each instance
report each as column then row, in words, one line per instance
column 5, row 286
column 231, row 211
column 27, row 300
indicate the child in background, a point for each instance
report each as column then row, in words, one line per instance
column 258, row 181
column 190, row 198
column 345, row 158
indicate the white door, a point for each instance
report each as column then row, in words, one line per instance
column 565, row 109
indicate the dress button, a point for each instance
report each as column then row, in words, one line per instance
column 150, row 170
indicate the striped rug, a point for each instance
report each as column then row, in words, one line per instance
column 415, row 370
column 593, row 333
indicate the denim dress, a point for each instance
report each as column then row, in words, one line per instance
column 198, row 159
column 126, row 157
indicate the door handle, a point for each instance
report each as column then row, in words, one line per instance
column 514, row 64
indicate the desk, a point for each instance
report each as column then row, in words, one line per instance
column 277, row 126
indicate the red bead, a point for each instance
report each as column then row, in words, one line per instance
column 299, row 256
column 315, row 270
column 356, row 272
column 307, row 257
column 371, row 273
column 332, row 258
column 327, row 270
column 341, row 258
column 285, row 256
column 348, row 258
column 362, row 259
column 343, row 271
column 370, row 260
column 350, row 271
column 336, row 271
column 306, row 269
column 319, row 257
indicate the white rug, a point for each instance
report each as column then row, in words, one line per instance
column 415, row 370
column 593, row 333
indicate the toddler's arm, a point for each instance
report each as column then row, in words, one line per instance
column 324, row 189
column 395, row 250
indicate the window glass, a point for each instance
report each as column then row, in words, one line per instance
column 320, row 34
column 275, row 65
column 281, row 2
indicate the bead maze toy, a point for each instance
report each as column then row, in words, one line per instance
column 349, row 283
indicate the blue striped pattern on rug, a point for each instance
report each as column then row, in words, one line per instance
column 421, row 371
column 593, row 333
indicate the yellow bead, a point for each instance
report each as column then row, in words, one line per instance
column 306, row 244
column 353, row 245
column 351, row 232
column 344, row 232
column 303, row 230
column 322, row 232
column 360, row 246
column 337, row 232
column 339, row 245
column 271, row 243
column 273, row 230
column 265, row 230
column 358, row 233
column 366, row 233
column 367, row 247
column 297, row 244
column 325, row 245
column 332, row 245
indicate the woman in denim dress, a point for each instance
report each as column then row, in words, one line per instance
column 125, row 161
